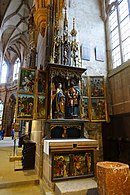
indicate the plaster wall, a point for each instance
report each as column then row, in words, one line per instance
column 90, row 32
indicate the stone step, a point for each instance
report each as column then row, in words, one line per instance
column 18, row 165
column 15, row 158
column 22, row 190
column 9, row 184
column 87, row 186
column 19, row 151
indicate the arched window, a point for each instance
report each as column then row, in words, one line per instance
column 1, row 111
column 16, row 69
column 119, row 23
column 3, row 75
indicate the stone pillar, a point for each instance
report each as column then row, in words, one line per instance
column 37, row 133
column 112, row 178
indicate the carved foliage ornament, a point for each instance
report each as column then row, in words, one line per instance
column 65, row 73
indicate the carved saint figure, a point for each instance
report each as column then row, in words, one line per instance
column 72, row 101
column 58, row 108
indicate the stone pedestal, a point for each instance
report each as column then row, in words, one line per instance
column 112, row 178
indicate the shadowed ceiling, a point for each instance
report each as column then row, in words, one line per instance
column 14, row 27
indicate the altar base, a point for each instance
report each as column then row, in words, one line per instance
column 66, row 159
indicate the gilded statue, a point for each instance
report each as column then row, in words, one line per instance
column 58, row 106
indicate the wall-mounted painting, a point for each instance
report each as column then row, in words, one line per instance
column 41, row 102
column 100, row 53
column 25, row 106
column 85, row 109
column 84, row 86
column 94, row 106
column 85, row 51
column 26, row 80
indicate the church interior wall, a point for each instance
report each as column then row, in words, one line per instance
column 91, row 33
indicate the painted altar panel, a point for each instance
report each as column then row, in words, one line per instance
column 41, row 105
column 31, row 94
column 40, row 95
column 98, row 111
column 25, row 106
column 72, row 164
column 26, row 80
column 41, row 82
column 94, row 104
column 25, row 100
column 97, row 86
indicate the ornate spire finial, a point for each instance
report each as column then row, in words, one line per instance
column 57, row 23
column 65, row 19
column 73, row 32
column 65, row 30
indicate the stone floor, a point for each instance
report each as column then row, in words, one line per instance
column 27, row 182
column 15, row 182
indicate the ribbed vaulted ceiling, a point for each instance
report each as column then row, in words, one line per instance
column 14, row 26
